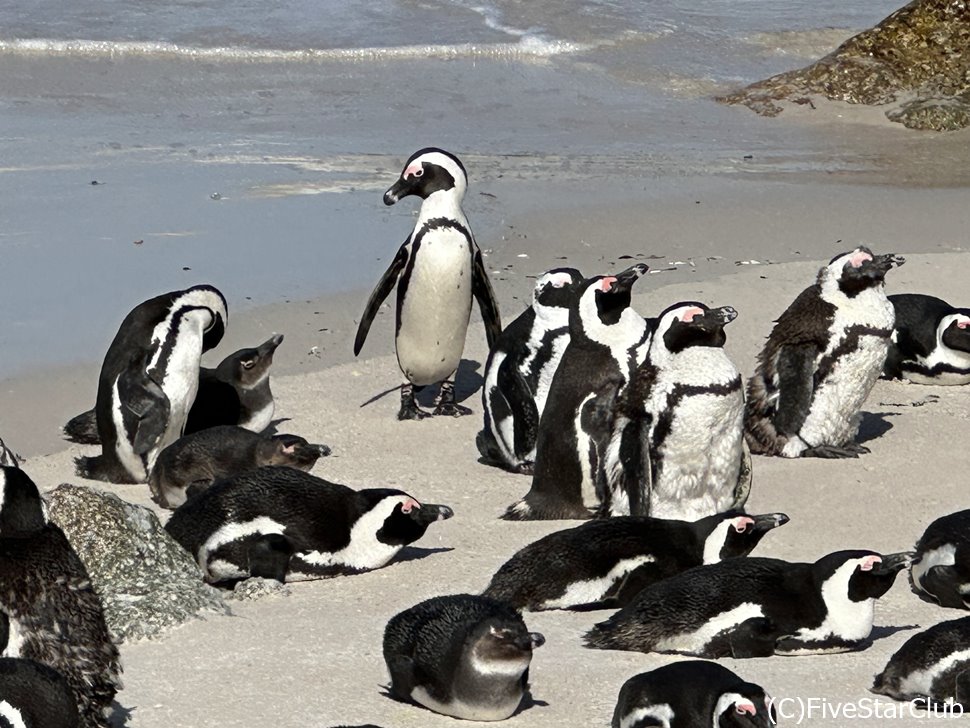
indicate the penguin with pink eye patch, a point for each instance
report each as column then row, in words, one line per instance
column 677, row 445
column 285, row 524
column 690, row 694
column 931, row 341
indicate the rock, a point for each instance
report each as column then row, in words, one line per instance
column 256, row 588
column 147, row 581
column 921, row 50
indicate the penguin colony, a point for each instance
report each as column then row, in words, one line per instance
column 641, row 426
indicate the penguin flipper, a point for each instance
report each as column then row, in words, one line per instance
column 145, row 403
column 384, row 287
column 525, row 414
column 403, row 677
column 482, row 290
column 796, row 385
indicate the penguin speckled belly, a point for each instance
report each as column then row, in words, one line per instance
column 437, row 271
column 33, row 695
column 149, row 379
column 49, row 612
column 607, row 340
column 931, row 341
column 756, row 607
column 692, row 694
column 932, row 665
column 677, row 448
column 462, row 655
column 940, row 571
column 520, row 368
column 192, row 463
column 606, row 562
column 821, row 360
column 285, row 524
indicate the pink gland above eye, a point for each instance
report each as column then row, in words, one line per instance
column 607, row 283
column 409, row 504
column 413, row 170
column 742, row 524
column 690, row 314
column 745, row 708
column 859, row 258
column 869, row 562
column 963, row 323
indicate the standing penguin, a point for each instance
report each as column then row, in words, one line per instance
column 607, row 340
column 465, row 656
column 677, row 448
column 756, row 607
column 691, row 694
column 35, row 696
column 821, row 360
column 931, row 341
column 49, row 612
column 605, row 563
column 437, row 271
column 149, row 380
column 940, row 571
column 520, row 368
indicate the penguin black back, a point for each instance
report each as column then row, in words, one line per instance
column 35, row 695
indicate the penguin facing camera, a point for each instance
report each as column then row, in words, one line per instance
column 940, row 572
column 33, row 695
column 930, row 342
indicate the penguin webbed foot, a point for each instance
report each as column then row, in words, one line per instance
column 834, row 452
column 451, row 409
column 409, row 407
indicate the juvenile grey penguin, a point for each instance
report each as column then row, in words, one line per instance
column 932, row 666
column 49, row 612
column 462, row 655
column 940, row 571
column 756, row 607
column 520, row 369
column 437, row 271
column 821, row 360
column 149, row 379
column 677, row 448
column 931, row 341
column 194, row 462
column 35, row 696
column 605, row 563
column 692, row 694
column 284, row 524
column 607, row 341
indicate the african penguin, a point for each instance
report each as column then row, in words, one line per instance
column 692, row 694
column 149, row 380
column 932, row 666
column 677, row 445
column 821, row 360
column 461, row 655
column 7, row 456
column 33, row 695
column 193, row 462
column 49, row 611
column 940, row 572
column 281, row 523
column 607, row 341
column 756, row 607
column 605, row 563
column 931, row 341
column 519, row 371
column 437, row 270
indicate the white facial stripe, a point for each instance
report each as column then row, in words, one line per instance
column 715, row 542
column 445, row 162
column 942, row 556
column 364, row 551
column 663, row 713
column 844, row 618
column 11, row 715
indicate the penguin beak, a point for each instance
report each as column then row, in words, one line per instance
column 625, row 280
column 880, row 265
column 323, row 450
column 429, row 513
column 715, row 318
column 892, row 563
column 530, row 641
column 401, row 188
column 768, row 521
column 269, row 346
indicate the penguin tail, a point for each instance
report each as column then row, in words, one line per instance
column 602, row 637
column 536, row 509
column 83, row 429
column 520, row 511
column 98, row 467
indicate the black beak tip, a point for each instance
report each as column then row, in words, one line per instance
column 323, row 450
column 389, row 198
column 444, row 513
column 538, row 640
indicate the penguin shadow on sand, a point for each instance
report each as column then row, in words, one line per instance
column 467, row 379
column 874, row 425
column 416, row 553
column 528, row 701
column 879, row 633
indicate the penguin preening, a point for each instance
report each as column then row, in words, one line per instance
column 930, row 342
column 149, row 380
column 605, row 563
column 520, row 369
column 607, row 340
column 677, row 445
column 821, row 360
column 437, row 270
column 940, row 571
column 756, row 607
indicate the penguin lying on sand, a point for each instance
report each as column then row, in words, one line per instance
column 49, row 612
column 932, row 665
column 465, row 656
column 236, row 392
column 519, row 370
column 940, row 572
column 931, row 341
column 192, row 463
column 437, row 271
column 285, row 524
column 35, row 696
column 691, row 694
column 149, row 379
column 606, row 562
column 756, row 607
column 821, row 360
column 677, row 445
column 607, row 340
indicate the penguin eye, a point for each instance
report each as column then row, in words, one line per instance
column 249, row 364
column 419, row 172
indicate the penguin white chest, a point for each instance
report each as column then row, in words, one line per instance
column 434, row 306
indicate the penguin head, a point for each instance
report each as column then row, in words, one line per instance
column 744, row 705
column 208, row 297
column 954, row 330
column 857, row 270
column 293, row 451
column 859, row 575
column 558, row 287
column 602, row 303
column 249, row 366
column 732, row 534
column 428, row 171
column 502, row 645
column 691, row 323
column 22, row 511
column 406, row 519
